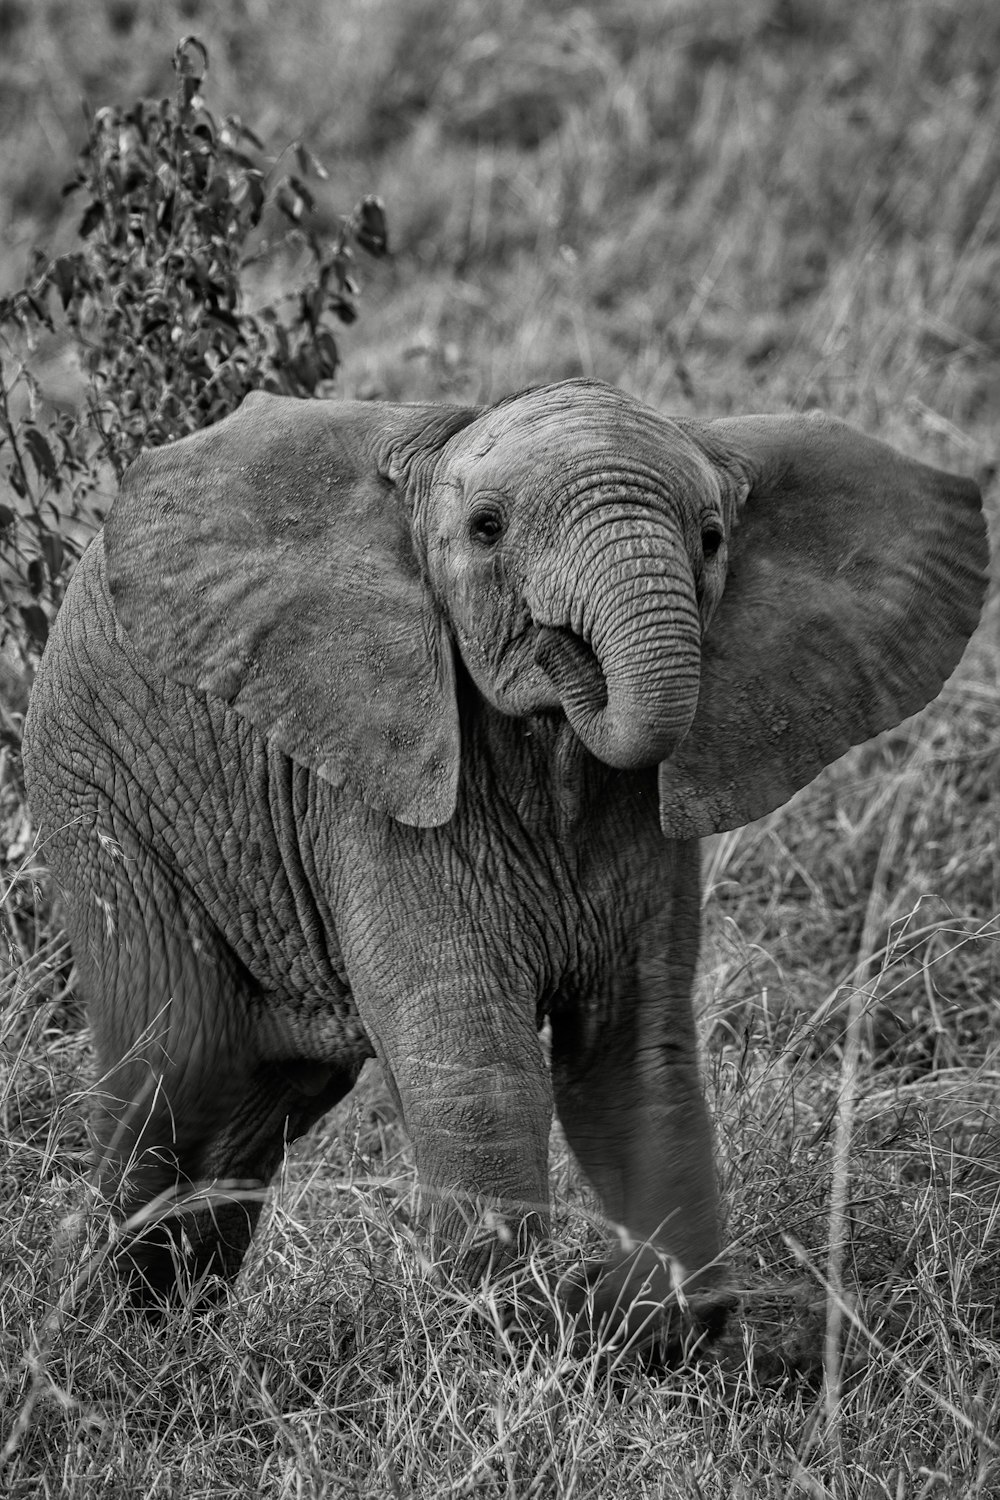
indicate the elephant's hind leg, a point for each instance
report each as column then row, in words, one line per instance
column 278, row 1103
column 171, row 1012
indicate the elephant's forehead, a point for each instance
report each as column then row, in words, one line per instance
column 560, row 416
column 545, row 441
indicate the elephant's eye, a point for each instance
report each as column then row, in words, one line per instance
column 712, row 538
column 486, row 525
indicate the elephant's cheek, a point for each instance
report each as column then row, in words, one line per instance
column 511, row 681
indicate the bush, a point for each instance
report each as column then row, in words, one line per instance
column 177, row 208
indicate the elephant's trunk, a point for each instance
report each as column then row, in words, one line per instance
column 627, row 662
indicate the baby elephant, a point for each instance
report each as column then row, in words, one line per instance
column 377, row 730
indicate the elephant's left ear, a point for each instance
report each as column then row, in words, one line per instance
column 855, row 578
column 269, row 561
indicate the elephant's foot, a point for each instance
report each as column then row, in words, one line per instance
column 628, row 1308
column 184, row 1255
column 632, row 1307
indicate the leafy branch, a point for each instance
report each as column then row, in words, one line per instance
column 178, row 206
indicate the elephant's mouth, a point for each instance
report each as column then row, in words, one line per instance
column 573, row 669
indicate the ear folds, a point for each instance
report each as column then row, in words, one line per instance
column 855, row 579
column 268, row 560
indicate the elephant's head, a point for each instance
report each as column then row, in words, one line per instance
column 576, row 542
column 738, row 601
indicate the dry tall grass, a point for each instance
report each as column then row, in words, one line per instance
column 721, row 206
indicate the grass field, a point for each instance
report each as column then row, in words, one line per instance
column 720, row 206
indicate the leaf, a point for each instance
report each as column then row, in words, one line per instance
column 184, row 63
column 343, row 309
column 310, row 163
column 65, row 273
column 237, row 126
column 41, row 453
column 52, row 550
column 250, row 189
column 241, row 160
column 304, row 369
column 226, row 333
column 303, row 191
column 187, row 91
column 372, row 233
column 36, row 576
column 311, row 301
column 36, row 623
column 39, row 311
column 218, row 190
column 329, row 354
column 93, row 215
column 290, row 204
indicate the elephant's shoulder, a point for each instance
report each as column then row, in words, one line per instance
column 87, row 626
column 90, row 658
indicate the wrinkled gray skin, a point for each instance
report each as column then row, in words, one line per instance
column 355, row 737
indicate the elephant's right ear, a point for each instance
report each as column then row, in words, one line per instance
column 269, row 561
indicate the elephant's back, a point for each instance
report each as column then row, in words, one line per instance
column 90, row 694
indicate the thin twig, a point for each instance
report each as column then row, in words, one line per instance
column 863, row 993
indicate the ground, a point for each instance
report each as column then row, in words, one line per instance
column 722, row 207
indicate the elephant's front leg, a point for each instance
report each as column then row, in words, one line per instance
column 628, row 1093
column 480, row 1131
column 459, row 1044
